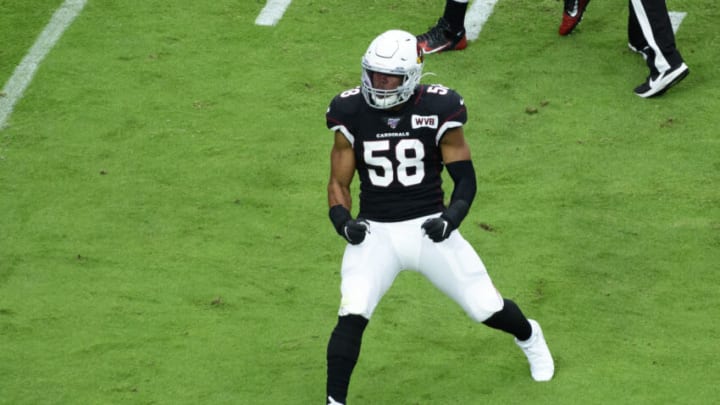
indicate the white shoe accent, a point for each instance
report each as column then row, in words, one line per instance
column 663, row 81
column 538, row 354
column 331, row 401
column 573, row 13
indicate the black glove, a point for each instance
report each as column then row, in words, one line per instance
column 437, row 229
column 354, row 231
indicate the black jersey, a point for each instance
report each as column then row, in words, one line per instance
column 397, row 153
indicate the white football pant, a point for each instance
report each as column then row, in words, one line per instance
column 453, row 266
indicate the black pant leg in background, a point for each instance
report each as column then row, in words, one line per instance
column 649, row 24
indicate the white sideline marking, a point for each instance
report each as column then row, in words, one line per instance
column 676, row 18
column 272, row 12
column 23, row 74
column 476, row 16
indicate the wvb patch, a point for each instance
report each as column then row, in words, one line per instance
column 424, row 121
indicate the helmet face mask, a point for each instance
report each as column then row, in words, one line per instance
column 395, row 53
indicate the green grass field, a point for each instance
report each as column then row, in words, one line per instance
column 163, row 222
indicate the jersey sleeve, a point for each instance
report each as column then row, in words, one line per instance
column 447, row 104
column 453, row 114
column 340, row 113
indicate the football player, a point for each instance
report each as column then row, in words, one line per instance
column 399, row 135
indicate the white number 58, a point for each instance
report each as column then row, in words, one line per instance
column 406, row 162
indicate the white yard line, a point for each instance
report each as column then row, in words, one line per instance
column 272, row 12
column 476, row 16
column 21, row 78
column 676, row 18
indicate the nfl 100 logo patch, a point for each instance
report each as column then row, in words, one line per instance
column 393, row 122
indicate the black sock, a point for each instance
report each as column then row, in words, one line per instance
column 342, row 354
column 455, row 15
column 510, row 319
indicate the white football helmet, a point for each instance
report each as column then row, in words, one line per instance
column 393, row 52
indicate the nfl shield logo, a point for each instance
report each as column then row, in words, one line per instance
column 393, row 122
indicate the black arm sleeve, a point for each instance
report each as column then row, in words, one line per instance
column 463, row 174
column 339, row 215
